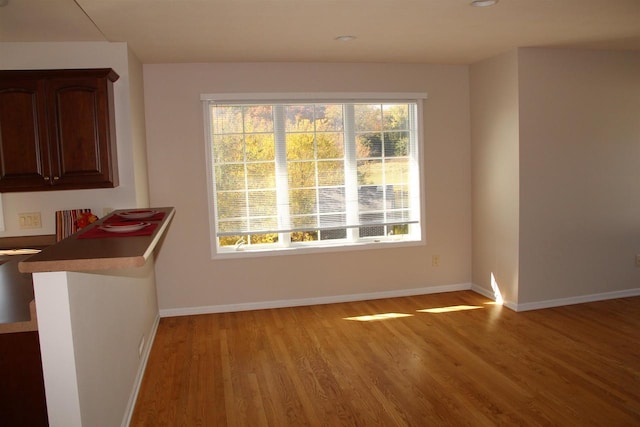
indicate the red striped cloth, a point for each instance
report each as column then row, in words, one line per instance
column 66, row 222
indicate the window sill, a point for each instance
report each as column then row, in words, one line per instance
column 301, row 250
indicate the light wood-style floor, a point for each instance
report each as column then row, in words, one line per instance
column 477, row 365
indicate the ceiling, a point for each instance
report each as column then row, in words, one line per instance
column 401, row 31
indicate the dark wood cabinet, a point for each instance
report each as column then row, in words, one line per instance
column 57, row 130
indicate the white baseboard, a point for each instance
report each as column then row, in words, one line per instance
column 578, row 300
column 227, row 308
column 141, row 368
column 187, row 311
column 489, row 294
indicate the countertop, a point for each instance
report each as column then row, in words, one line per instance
column 74, row 254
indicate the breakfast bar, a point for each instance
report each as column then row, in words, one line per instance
column 97, row 313
column 103, row 252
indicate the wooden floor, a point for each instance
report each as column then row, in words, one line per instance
column 479, row 364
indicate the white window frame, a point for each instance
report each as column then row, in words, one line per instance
column 374, row 242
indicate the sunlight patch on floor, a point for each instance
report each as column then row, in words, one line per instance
column 449, row 309
column 381, row 316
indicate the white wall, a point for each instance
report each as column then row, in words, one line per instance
column 579, row 173
column 90, row 328
column 129, row 121
column 495, row 173
column 186, row 275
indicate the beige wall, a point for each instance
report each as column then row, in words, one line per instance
column 556, row 174
column 579, row 173
column 495, row 173
column 138, row 131
column 186, row 275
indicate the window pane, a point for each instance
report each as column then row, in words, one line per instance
column 263, row 203
column 398, row 216
column 329, row 117
column 399, row 229
column 229, row 240
column 301, row 174
column 228, row 148
column 396, row 144
column 229, row 177
column 308, row 222
column 263, row 224
column 369, row 145
column 226, row 119
column 261, row 175
column 299, row 118
column 260, row 147
column 300, row 146
column 333, row 221
column 258, row 118
column 370, row 198
column 399, row 196
column 304, row 236
column 370, row 172
column 396, row 171
column 395, row 116
column 256, row 239
column 368, row 117
column 302, row 201
column 330, row 145
column 231, row 226
column 330, row 173
column 231, row 204
column 332, row 200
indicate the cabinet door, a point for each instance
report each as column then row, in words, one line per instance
column 80, row 132
column 24, row 155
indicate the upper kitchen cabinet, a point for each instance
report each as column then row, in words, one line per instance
column 57, row 130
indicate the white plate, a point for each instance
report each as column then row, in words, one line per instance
column 19, row 251
column 124, row 228
column 140, row 214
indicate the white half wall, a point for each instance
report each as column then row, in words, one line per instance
column 95, row 332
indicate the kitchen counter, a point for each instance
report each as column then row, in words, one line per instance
column 104, row 253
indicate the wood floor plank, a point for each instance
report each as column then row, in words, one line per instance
column 453, row 359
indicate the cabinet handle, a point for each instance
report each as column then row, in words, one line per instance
column 55, row 178
column 46, row 178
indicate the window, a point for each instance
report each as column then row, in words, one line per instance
column 306, row 173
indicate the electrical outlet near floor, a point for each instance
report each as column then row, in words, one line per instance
column 29, row 220
column 435, row 260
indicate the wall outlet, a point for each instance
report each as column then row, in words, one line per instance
column 435, row 261
column 30, row 220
